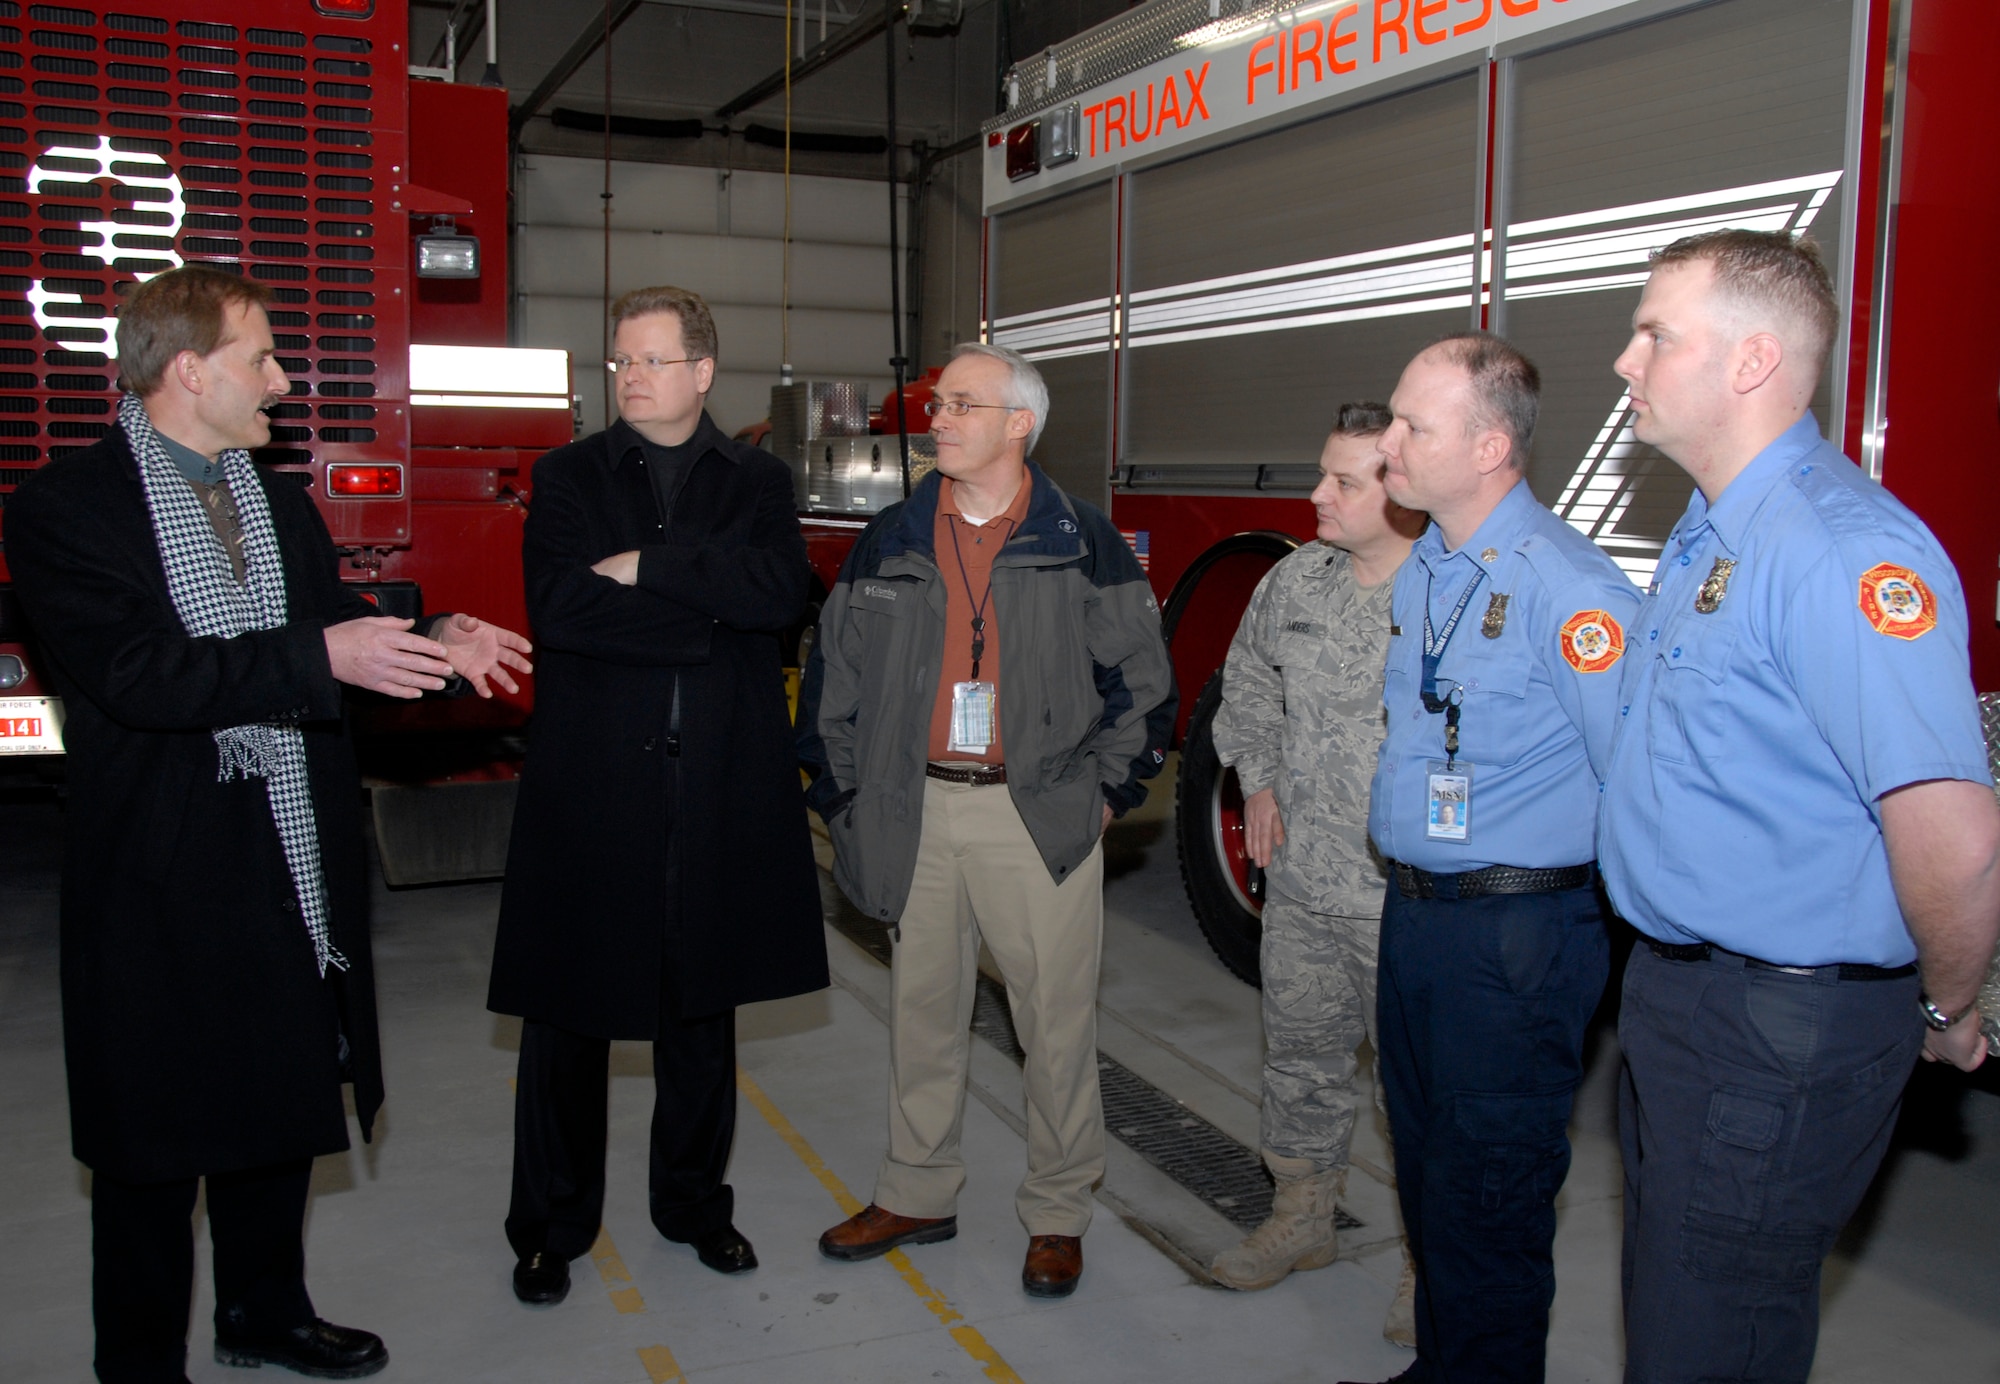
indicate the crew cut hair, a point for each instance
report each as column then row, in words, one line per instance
column 1027, row 389
column 1362, row 418
column 184, row 309
column 697, row 322
column 1775, row 279
column 1506, row 387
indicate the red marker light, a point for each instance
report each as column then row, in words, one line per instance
column 371, row 482
column 1024, row 154
column 345, row 9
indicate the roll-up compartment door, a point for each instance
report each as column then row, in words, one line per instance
column 1049, row 297
column 1732, row 115
column 1272, row 280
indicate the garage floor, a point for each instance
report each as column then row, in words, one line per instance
column 404, row 1235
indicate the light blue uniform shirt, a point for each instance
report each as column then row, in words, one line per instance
column 1538, row 702
column 1741, row 804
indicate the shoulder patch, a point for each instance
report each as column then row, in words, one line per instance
column 1592, row 640
column 1897, row 602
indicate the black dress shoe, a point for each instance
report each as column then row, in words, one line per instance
column 725, row 1250
column 318, row 1348
column 542, row 1279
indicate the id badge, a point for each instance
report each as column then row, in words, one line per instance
column 1448, row 800
column 972, row 710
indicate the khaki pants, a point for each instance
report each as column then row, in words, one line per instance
column 979, row 876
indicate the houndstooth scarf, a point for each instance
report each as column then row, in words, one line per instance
column 211, row 603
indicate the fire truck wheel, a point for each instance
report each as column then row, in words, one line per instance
column 1226, row 889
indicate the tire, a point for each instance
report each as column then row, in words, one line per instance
column 1226, row 889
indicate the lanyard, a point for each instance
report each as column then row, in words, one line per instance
column 978, row 604
column 1434, row 646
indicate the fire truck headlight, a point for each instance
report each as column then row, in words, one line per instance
column 13, row 672
column 447, row 257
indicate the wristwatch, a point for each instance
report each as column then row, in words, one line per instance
column 1936, row 1017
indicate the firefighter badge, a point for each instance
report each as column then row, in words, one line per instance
column 1714, row 587
column 1592, row 641
column 1897, row 602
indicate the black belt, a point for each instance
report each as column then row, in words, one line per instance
column 1494, row 879
column 978, row 775
column 1849, row 970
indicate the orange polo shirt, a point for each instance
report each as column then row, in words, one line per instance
column 978, row 545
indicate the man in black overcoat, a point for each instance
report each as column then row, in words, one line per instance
column 660, row 872
column 215, row 964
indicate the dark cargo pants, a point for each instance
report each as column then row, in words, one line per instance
column 1482, row 1012
column 1754, row 1110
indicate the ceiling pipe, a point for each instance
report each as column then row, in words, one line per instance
column 858, row 31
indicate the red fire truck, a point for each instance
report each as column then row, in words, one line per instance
column 1211, row 221
column 287, row 141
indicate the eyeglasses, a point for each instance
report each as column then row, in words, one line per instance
column 625, row 365
column 958, row 408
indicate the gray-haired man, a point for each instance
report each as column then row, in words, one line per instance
column 987, row 606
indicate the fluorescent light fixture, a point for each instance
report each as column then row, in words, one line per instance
column 489, row 370
column 487, row 401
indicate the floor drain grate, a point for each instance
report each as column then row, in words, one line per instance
column 1187, row 1148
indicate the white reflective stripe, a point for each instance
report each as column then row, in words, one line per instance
column 490, row 369
column 1546, row 258
column 1067, row 309
column 1286, row 271
column 490, row 400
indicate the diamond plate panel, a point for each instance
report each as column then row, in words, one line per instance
column 1133, row 40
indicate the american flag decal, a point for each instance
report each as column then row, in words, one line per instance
column 1141, row 543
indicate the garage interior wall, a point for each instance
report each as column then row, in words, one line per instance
column 720, row 233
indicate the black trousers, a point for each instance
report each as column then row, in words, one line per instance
column 1755, row 1108
column 1482, row 1007
column 142, row 1277
column 560, row 1099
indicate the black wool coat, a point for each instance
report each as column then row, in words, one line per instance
column 639, row 886
column 198, row 1033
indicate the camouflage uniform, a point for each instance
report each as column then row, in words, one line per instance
column 1302, row 713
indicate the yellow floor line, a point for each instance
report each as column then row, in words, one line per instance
column 617, row 1279
column 967, row 1335
column 661, row 1367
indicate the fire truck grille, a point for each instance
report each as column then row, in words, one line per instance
column 135, row 139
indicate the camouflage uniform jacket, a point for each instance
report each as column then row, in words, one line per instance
column 1302, row 713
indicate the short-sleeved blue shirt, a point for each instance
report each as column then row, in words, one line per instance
column 1755, row 738
column 1538, row 689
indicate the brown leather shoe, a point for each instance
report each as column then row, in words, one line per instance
column 872, row 1231
column 1055, row 1263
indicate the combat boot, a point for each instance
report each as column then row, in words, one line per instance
column 1299, row 1234
column 1400, row 1326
